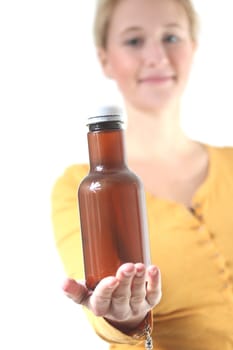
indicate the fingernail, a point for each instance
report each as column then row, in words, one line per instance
column 128, row 273
column 140, row 273
column 153, row 270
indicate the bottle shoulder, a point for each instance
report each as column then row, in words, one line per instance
column 112, row 174
column 108, row 178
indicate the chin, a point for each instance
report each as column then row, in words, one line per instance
column 157, row 104
column 162, row 99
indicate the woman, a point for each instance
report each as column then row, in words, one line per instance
column 147, row 47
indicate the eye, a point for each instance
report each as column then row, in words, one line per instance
column 171, row 38
column 134, row 42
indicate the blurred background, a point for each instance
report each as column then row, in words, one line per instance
column 50, row 81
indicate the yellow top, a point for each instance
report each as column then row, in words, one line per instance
column 193, row 250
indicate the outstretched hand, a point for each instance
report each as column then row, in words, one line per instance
column 124, row 299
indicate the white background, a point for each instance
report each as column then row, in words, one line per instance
column 49, row 82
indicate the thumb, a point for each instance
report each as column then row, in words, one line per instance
column 75, row 290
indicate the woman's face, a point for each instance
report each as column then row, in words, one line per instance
column 149, row 52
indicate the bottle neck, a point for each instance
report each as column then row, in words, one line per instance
column 106, row 149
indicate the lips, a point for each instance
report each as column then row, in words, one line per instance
column 157, row 79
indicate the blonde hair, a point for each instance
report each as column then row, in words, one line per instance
column 105, row 9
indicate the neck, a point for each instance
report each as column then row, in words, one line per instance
column 156, row 136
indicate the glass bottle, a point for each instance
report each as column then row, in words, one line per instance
column 111, row 202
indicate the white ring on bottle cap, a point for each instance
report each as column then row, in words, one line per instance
column 106, row 114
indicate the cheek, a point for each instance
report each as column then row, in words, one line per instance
column 122, row 66
column 184, row 59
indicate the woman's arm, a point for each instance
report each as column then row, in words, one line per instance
column 119, row 303
column 123, row 300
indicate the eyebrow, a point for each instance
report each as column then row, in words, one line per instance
column 176, row 25
column 137, row 28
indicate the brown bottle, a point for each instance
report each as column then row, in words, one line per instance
column 111, row 203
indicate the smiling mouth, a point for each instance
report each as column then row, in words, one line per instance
column 155, row 79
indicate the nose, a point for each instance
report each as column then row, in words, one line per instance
column 154, row 54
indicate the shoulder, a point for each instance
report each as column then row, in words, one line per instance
column 68, row 182
column 223, row 151
column 74, row 172
column 223, row 154
column 221, row 162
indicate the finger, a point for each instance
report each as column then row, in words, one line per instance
column 153, row 290
column 120, row 306
column 74, row 290
column 101, row 299
column 125, row 275
column 138, row 290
